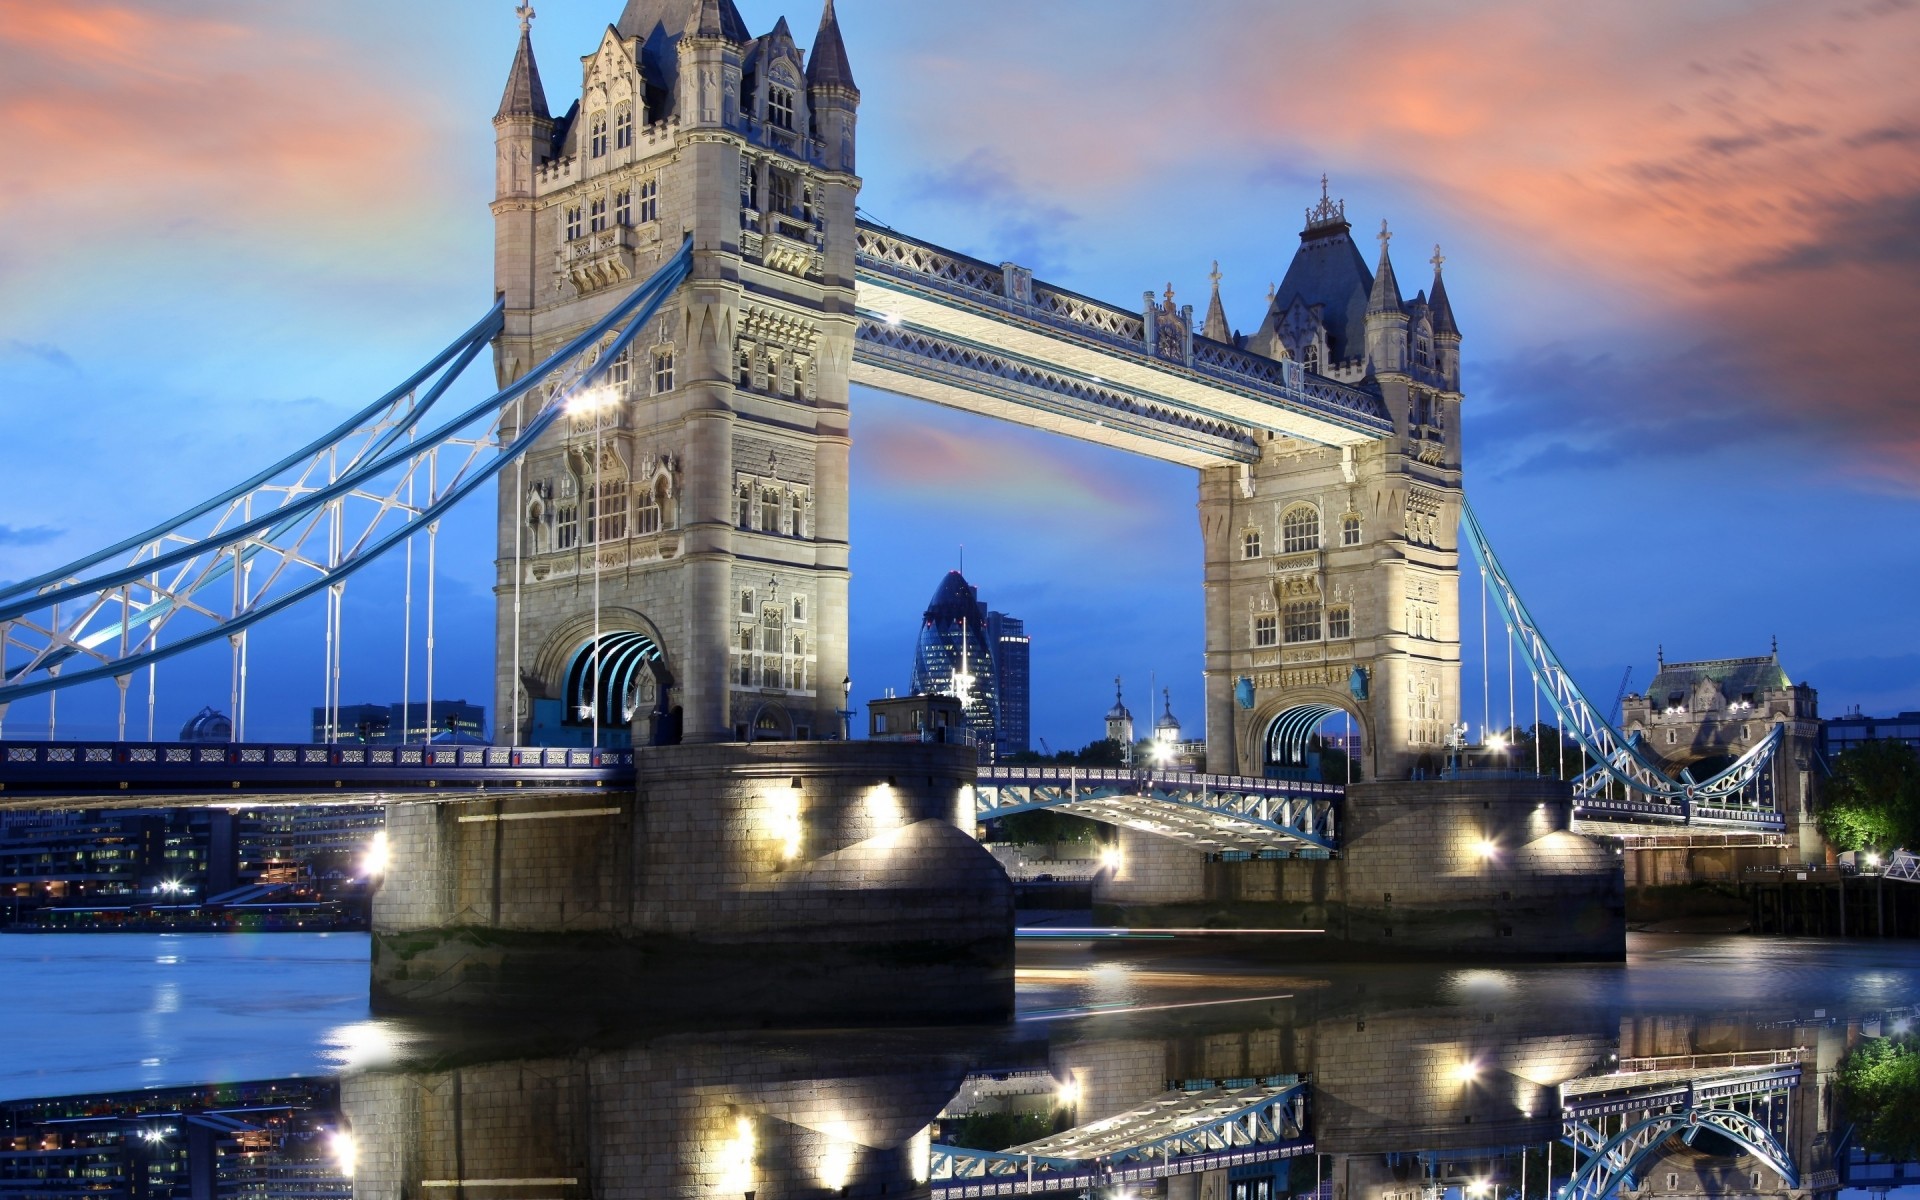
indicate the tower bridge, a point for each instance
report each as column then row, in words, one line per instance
column 685, row 297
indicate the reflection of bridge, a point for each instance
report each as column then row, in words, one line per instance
column 1178, row 1133
column 1620, row 1125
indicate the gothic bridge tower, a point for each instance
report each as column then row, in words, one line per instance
column 674, row 563
column 1332, row 576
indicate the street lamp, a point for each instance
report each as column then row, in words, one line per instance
column 846, row 708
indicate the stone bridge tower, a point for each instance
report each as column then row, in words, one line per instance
column 1332, row 576
column 696, row 523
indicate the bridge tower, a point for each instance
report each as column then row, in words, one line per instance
column 672, row 564
column 1332, row 575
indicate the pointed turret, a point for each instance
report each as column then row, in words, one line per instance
column 1216, row 326
column 781, row 30
column 1385, row 297
column 707, row 22
column 524, row 96
column 1446, row 334
column 831, row 94
column 827, row 64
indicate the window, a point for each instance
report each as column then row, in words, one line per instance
column 770, row 509
column 573, row 223
column 746, row 607
column 649, row 200
column 1350, row 530
column 744, row 503
column 780, row 184
column 607, row 510
column 796, row 513
column 597, row 138
column 1340, row 622
column 746, row 655
column 1300, row 529
column 1266, row 630
column 799, row 608
column 620, row 370
column 566, row 526
column 1672, row 737
column 1310, row 356
column 749, row 184
column 663, row 370
column 622, row 127
column 646, row 517
column 597, row 213
column 1250, row 544
column 743, row 370
column 623, row 207
column 780, row 106
column 1301, row 621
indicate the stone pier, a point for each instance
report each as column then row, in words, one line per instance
column 797, row 881
column 1481, row 868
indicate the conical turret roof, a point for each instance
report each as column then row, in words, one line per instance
column 1385, row 296
column 524, row 96
column 1442, row 308
column 1216, row 326
column 827, row 64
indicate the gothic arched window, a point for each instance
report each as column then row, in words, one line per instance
column 1310, row 356
column 1300, row 621
column 1300, row 529
column 597, row 136
column 1250, row 544
column 1350, row 529
column 622, row 127
column 780, row 106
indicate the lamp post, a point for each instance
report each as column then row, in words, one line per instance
column 846, row 708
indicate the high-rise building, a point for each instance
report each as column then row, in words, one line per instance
column 954, row 657
column 408, row 722
column 1008, row 637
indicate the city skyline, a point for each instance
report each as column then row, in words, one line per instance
column 1625, row 357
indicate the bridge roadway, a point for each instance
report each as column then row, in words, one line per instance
column 1217, row 813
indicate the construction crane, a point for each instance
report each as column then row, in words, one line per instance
column 1620, row 696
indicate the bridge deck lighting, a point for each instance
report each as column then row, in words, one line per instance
column 1479, row 1187
column 375, row 862
column 1467, row 1071
column 344, row 1151
column 1110, row 858
column 1486, row 848
column 592, row 400
column 1068, row 1093
column 1497, row 743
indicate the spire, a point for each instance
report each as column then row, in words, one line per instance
column 1386, row 289
column 1328, row 215
column 1216, row 325
column 707, row 22
column 1442, row 310
column 524, row 96
column 780, row 30
column 827, row 64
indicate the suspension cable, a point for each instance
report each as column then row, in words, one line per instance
column 1486, row 686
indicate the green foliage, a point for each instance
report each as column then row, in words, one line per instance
column 1879, row 1086
column 1043, row 826
column 998, row 1130
column 1873, row 799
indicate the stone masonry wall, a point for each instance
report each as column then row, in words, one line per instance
column 728, row 869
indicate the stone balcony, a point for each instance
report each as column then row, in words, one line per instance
column 603, row 257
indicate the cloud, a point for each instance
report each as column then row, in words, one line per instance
column 1739, row 178
column 46, row 352
column 28, row 535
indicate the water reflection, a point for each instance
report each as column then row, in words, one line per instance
column 1700, row 1069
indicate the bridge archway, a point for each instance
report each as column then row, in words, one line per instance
column 1623, row 1156
column 1310, row 737
column 622, row 678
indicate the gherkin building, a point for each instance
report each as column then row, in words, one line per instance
column 953, row 657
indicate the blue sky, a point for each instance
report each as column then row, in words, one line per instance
column 1682, row 253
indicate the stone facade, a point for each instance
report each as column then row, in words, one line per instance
column 1705, row 714
column 786, row 878
column 701, row 513
column 1430, row 869
column 1332, row 574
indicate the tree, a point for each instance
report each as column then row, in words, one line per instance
column 1879, row 1085
column 1873, row 799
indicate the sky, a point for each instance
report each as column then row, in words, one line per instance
column 1680, row 240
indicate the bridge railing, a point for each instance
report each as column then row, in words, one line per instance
column 1196, row 781
column 107, row 773
column 1013, row 290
